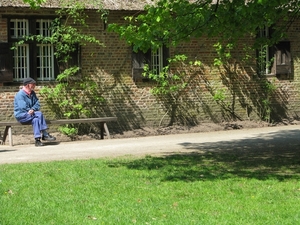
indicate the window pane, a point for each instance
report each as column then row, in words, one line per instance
column 45, row 62
column 157, row 60
column 42, row 27
column 264, row 54
column 18, row 28
column 21, row 62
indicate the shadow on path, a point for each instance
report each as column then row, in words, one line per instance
column 7, row 151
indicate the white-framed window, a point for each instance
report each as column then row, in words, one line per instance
column 21, row 62
column 19, row 28
column 45, row 62
column 276, row 59
column 264, row 61
column 32, row 59
column 42, row 27
column 157, row 60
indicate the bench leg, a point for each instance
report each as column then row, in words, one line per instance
column 103, row 128
column 7, row 131
column 10, row 136
column 106, row 130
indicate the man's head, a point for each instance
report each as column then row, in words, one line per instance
column 29, row 84
column 28, row 80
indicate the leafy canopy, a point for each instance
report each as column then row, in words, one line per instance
column 172, row 21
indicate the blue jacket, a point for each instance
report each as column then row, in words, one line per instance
column 23, row 103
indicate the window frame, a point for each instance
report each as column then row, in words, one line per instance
column 264, row 54
column 21, row 62
column 155, row 59
column 33, row 48
column 6, row 53
column 275, row 60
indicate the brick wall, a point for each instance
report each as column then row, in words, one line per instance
column 3, row 31
column 135, row 106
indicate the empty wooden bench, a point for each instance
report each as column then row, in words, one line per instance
column 102, row 120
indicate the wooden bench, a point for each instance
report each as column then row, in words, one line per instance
column 102, row 120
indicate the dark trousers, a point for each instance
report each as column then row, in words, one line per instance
column 38, row 122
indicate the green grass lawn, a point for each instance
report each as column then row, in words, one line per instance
column 209, row 188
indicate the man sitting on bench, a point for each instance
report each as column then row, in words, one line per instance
column 26, row 110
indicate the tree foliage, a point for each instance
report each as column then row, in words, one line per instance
column 170, row 22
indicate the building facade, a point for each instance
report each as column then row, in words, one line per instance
column 234, row 92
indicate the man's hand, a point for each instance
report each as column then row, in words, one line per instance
column 31, row 111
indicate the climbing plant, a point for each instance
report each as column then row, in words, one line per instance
column 172, row 85
column 73, row 93
column 171, row 22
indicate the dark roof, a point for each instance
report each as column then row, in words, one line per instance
column 92, row 4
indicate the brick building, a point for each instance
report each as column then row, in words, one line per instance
column 213, row 94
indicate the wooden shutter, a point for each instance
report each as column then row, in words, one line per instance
column 166, row 55
column 139, row 60
column 6, row 68
column 282, row 58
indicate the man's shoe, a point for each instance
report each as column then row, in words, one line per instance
column 48, row 137
column 38, row 143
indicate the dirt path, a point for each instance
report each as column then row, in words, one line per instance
column 280, row 140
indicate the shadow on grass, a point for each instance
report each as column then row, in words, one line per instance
column 268, row 156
